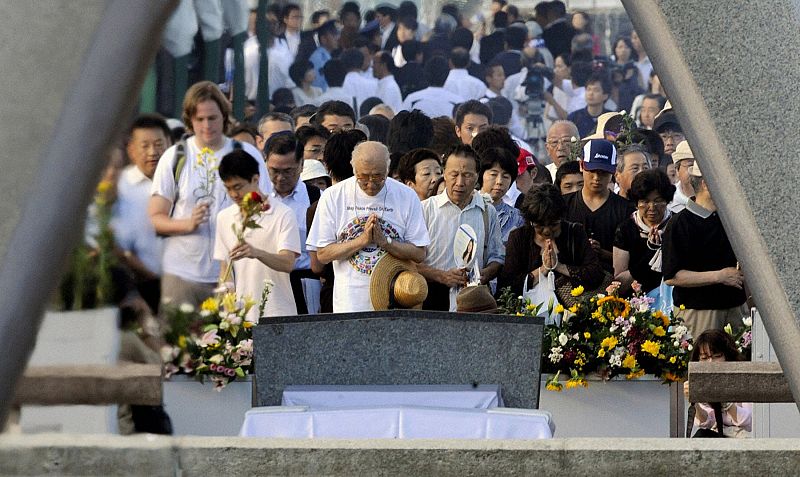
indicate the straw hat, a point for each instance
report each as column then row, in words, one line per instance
column 476, row 299
column 395, row 283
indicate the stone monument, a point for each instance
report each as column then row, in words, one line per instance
column 400, row 347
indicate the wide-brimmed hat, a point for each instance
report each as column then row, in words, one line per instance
column 395, row 283
column 476, row 299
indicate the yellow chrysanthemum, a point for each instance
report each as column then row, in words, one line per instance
column 587, row 335
column 247, row 324
column 659, row 331
column 635, row 374
column 682, row 307
column 577, row 291
column 559, row 308
column 601, row 353
column 210, row 304
column 573, row 308
column 554, row 386
column 609, row 342
column 672, row 359
column 651, row 347
column 629, row 362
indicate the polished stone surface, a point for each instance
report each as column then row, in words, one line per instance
column 400, row 347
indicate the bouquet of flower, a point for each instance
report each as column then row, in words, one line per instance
column 743, row 337
column 207, row 166
column 214, row 343
column 88, row 283
column 250, row 208
column 612, row 336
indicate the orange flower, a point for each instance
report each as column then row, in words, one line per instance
column 669, row 376
column 661, row 316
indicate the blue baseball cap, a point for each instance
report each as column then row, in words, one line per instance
column 600, row 154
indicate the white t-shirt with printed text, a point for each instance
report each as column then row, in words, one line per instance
column 340, row 217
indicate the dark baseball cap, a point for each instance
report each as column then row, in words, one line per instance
column 600, row 154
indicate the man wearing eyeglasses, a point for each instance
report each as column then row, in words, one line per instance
column 559, row 142
column 284, row 165
column 360, row 219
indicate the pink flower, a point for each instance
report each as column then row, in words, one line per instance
column 208, row 339
column 637, row 287
column 246, row 346
column 219, row 382
column 234, row 319
column 613, row 287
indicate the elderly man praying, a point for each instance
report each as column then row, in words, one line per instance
column 362, row 218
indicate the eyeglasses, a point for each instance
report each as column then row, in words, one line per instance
column 675, row 137
column 288, row 172
column 564, row 141
column 658, row 203
column 370, row 178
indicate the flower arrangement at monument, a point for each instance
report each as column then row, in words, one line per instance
column 611, row 336
column 743, row 337
column 215, row 342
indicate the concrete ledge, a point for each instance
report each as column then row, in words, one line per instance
column 738, row 382
column 91, row 384
column 188, row 456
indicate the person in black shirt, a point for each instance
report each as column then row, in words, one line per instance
column 699, row 262
column 598, row 209
column 638, row 239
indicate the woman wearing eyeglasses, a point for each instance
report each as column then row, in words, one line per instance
column 547, row 243
column 637, row 244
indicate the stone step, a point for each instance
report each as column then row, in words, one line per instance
column 91, row 384
column 739, row 381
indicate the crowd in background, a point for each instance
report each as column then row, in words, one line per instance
column 387, row 137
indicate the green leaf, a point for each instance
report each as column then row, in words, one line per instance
column 239, row 372
column 210, row 327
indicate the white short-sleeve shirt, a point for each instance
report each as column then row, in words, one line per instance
column 342, row 211
column 190, row 256
column 278, row 231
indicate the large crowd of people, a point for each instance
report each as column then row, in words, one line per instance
column 387, row 136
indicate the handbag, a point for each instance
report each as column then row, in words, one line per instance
column 564, row 284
